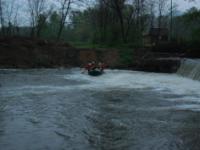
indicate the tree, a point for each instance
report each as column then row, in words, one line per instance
column 187, row 26
column 140, row 6
column 151, row 8
column 53, row 25
column 8, row 16
column 171, row 18
column 36, row 8
column 15, row 21
column 41, row 23
column 64, row 11
column 125, row 17
column 2, row 16
column 161, row 9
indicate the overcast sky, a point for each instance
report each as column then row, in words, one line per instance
column 182, row 6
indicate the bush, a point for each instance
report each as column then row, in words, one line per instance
column 126, row 56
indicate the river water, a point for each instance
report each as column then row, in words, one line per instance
column 62, row 109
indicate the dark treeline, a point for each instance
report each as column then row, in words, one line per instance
column 103, row 22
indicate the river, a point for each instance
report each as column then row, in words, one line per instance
column 62, row 109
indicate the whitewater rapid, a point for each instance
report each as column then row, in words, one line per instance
column 130, row 110
column 138, row 80
column 115, row 79
column 185, row 88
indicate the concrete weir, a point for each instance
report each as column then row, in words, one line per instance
column 190, row 68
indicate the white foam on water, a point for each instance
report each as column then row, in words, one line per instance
column 139, row 80
column 188, row 89
column 120, row 79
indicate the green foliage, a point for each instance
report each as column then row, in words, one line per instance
column 101, row 25
column 187, row 29
column 126, row 56
column 51, row 28
column 196, row 36
column 97, row 27
column 192, row 15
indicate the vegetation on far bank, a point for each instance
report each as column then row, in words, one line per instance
column 52, row 36
column 103, row 23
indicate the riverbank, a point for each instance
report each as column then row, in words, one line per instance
column 27, row 53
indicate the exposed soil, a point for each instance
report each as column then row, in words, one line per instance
column 18, row 52
column 31, row 53
column 21, row 52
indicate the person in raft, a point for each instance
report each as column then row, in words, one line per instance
column 101, row 66
column 91, row 66
column 87, row 67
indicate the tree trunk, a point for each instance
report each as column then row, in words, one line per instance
column 64, row 16
column 121, row 20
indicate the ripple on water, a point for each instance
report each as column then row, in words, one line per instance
column 121, row 110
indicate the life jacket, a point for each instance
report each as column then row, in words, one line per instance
column 88, row 66
column 102, row 66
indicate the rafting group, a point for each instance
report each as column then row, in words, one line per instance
column 94, row 69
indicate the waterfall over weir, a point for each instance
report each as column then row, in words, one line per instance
column 190, row 68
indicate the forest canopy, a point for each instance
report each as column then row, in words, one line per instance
column 103, row 22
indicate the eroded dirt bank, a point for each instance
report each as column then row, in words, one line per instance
column 37, row 53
